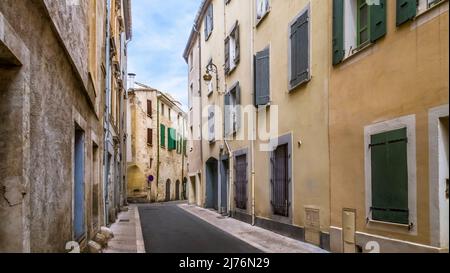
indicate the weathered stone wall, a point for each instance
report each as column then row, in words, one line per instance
column 58, row 98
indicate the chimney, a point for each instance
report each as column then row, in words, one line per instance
column 131, row 80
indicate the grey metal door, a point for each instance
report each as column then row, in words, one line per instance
column 241, row 182
column 279, row 181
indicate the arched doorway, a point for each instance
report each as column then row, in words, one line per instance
column 177, row 190
column 184, row 193
column 168, row 190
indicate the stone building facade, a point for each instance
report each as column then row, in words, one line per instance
column 157, row 159
column 119, row 35
column 52, row 82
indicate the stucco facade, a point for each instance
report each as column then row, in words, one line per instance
column 400, row 81
column 301, row 114
column 156, row 172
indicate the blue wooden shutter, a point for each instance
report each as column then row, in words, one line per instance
column 406, row 10
column 377, row 20
column 390, row 177
column 300, row 50
column 338, row 31
column 262, row 77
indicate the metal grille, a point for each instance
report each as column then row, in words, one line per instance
column 241, row 182
column 280, row 181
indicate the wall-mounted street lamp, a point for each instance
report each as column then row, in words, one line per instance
column 211, row 68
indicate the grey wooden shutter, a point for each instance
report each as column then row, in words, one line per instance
column 338, row 31
column 300, row 50
column 237, row 123
column 262, row 77
column 227, row 114
column 406, row 10
column 237, row 39
column 227, row 55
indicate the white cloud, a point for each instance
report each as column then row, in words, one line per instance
column 160, row 32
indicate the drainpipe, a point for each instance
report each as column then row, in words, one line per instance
column 107, row 102
column 252, row 47
column 158, row 128
column 200, row 112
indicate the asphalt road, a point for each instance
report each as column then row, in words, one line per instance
column 169, row 229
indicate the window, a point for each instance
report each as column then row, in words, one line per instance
column 211, row 124
column 149, row 108
column 170, row 114
column 262, row 8
column 408, row 9
column 162, row 109
column 172, row 142
column 150, row 137
column 209, row 22
column 299, row 50
column 389, row 170
column 163, row 135
column 262, row 77
column 232, row 110
column 356, row 23
column 241, row 182
column 232, row 49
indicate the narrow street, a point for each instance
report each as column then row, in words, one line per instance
column 169, row 229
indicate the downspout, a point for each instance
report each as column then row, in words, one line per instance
column 200, row 110
column 230, row 152
column 183, row 148
column 107, row 102
column 158, row 144
column 252, row 68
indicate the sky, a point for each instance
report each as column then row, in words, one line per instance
column 161, row 29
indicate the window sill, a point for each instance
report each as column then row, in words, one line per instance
column 208, row 36
column 357, row 51
column 381, row 225
column 258, row 21
column 232, row 70
column 302, row 83
column 430, row 9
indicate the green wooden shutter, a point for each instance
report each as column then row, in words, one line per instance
column 406, row 10
column 377, row 20
column 390, row 177
column 338, row 31
column 262, row 77
column 172, row 145
column 163, row 135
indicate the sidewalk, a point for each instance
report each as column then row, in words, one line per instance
column 265, row 240
column 127, row 233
